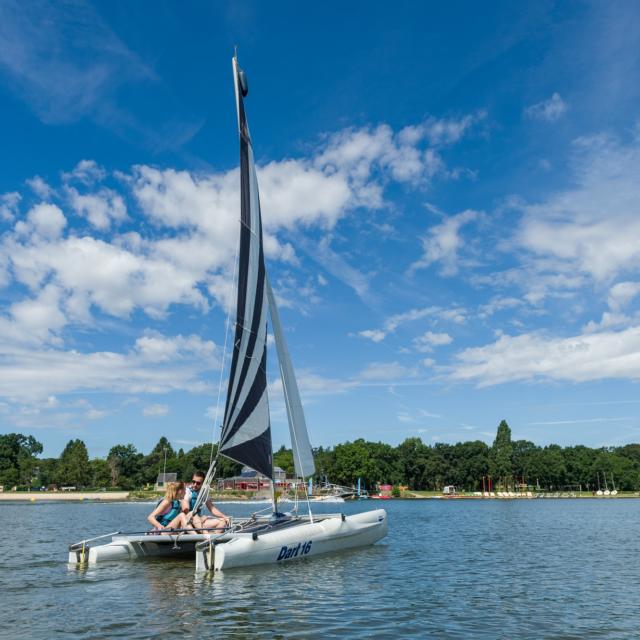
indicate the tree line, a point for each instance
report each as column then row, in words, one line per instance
column 412, row 463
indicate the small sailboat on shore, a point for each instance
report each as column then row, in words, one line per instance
column 246, row 428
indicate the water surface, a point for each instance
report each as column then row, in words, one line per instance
column 448, row 569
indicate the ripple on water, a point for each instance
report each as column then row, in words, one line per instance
column 449, row 569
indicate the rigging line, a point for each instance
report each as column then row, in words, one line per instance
column 224, row 355
column 295, row 437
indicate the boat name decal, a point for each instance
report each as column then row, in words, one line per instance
column 301, row 549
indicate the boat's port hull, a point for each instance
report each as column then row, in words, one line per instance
column 304, row 540
column 138, row 547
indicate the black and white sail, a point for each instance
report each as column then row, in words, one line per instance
column 246, row 429
column 302, row 452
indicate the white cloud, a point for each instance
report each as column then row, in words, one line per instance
column 9, row 205
column 100, row 208
column 443, row 242
column 155, row 410
column 549, row 110
column 47, row 220
column 179, row 249
column 96, row 414
column 154, row 347
column 595, row 356
column 88, row 172
column 375, row 335
column 443, row 131
column 40, row 318
column 40, row 187
column 498, row 303
column 621, row 294
column 26, row 373
column 427, row 341
column 591, row 228
column 385, row 371
column 456, row 315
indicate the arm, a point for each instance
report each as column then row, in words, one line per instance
column 214, row 510
column 162, row 507
column 184, row 503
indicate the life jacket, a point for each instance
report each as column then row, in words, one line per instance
column 193, row 497
column 165, row 518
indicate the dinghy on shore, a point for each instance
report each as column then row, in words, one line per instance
column 246, row 430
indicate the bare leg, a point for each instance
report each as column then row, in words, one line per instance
column 217, row 524
column 196, row 523
column 179, row 522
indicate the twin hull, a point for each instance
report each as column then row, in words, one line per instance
column 300, row 539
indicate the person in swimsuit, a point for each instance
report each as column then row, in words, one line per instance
column 218, row 522
column 168, row 513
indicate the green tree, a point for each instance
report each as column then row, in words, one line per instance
column 469, row 462
column 99, row 473
column 18, row 458
column 412, row 456
column 198, row 459
column 73, row 465
column 125, row 464
column 501, row 456
column 153, row 463
column 283, row 458
column 47, row 471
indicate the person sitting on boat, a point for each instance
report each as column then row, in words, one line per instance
column 217, row 521
column 168, row 513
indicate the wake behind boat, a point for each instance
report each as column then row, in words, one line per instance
column 246, row 429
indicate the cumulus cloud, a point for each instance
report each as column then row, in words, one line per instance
column 9, row 205
column 385, row 371
column 549, row 110
column 40, row 187
column 155, row 410
column 443, row 243
column 428, row 340
column 591, row 228
column 155, row 347
column 100, row 208
column 621, row 294
column 26, row 373
column 177, row 248
column 456, row 315
column 534, row 356
column 47, row 220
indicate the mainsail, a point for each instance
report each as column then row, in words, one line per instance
column 302, row 453
column 246, row 430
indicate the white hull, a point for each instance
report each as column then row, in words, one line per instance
column 302, row 540
column 137, row 547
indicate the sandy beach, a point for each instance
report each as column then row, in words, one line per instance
column 59, row 496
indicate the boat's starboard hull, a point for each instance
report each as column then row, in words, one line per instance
column 304, row 540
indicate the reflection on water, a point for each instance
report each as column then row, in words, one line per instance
column 449, row 569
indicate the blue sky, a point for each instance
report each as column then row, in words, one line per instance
column 451, row 202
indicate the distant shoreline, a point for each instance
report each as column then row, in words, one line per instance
column 133, row 496
column 63, row 496
column 94, row 496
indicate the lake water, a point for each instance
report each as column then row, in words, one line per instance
column 448, row 569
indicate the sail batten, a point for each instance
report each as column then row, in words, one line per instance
column 246, row 429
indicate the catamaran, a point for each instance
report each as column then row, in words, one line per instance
column 246, row 429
